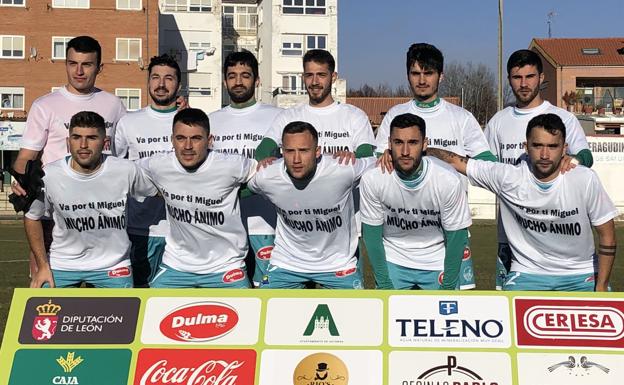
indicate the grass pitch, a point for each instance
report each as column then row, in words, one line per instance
column 14, row 261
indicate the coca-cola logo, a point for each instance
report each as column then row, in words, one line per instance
column 264, row 253
column 344, row 273
column 195, row 367
column 199, row 322
column 570, row 322
column 120, row 272
column 233, row 276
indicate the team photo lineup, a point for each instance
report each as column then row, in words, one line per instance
column 253, row 195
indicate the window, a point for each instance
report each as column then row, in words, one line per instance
column 301, row 7
column 292, row 84
column 199, row 84
column 199, row 91
column 70, row 3
column 199, row 45
column 240, row 17
column 12, row 3
column 129, row 4
column 590, row 51
column 128, row 49
column 130, row 97
column 11, row 47
column 188, row 6
column 316, row 42
column 59, row 46
column 12, row 98
column 292, row 45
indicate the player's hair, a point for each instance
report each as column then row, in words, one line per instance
column 426, row 55
column 165, row 60
column 524, row 57
column 243, row 57
column 299, row 127
column 551, row 123
column 320, row 56
column 408, row 120
column 193, row 117
column 88, row 119
column 85, row 44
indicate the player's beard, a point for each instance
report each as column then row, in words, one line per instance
column 539, row 174
column 320, row 99
column 526, row 100
column 243, row 97
column 411, row 170
column 163, row 101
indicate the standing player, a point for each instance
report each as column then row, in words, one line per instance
column 505, row 132
column 49, row 117
column 141, row 134
column 87, row 194
column 448, row 126
column 547, row 215
column 340, row 127
column 206, row 243
column 415, row 219
column 316, row 235
column 238, row 129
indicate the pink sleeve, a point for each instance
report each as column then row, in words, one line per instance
column 36, row 132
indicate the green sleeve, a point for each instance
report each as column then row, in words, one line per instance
column 364, row 151
column 454, row 244
column 267, row 148
column 245, row 192
column 373, row 239
column 486, row 155
column 585, row 158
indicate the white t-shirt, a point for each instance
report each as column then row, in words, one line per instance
column 316, row 230
column 340, row 126
column 89, row 213
column 240, row 130
column 206, row 233
column 506, row 131
column 141, row 134
column 549, row 230
column 414, row 219
column 47, row 125
column 449, row 127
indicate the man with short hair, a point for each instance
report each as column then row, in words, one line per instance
column 238, row 129
column 505, row 132
column 49, row 116
column 87, row 194
column 548, row 215
column 449, row 127
column 206, row 244
column 316, row 235
column 141, row 134
column 415, row 219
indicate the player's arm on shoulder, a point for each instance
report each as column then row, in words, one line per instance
column 268, row 148
column 458, row 162
column 486, row 155
column 362, row 165
column 142, row 185
column 606, row 253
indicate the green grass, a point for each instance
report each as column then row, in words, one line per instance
column 14, row 265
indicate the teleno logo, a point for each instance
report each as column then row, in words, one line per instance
column 570, row 322
column 264, row 253
column 199, row 322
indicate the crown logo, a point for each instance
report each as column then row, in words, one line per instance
column 69, row 363
column 48, row 309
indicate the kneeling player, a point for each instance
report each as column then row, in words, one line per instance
column 316, row 234
column 548, row 215
column 87, row 194
column 415, row 219
column 206, row 244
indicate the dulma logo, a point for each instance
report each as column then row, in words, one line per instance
column 199, row 322
column 265, row 253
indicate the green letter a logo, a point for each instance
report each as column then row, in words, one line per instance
column 321, row 319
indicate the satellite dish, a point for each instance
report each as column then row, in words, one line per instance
column 140, row 62
column 33, row 52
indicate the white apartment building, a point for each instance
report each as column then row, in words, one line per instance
column 191, row 30
column 202, row 32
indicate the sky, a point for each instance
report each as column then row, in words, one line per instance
column 374, row 35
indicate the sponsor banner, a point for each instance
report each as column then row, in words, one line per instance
column 70, row 367
column 324, row 321
column 326, row 367
column 560, row 322
column 606, row 149
column 79, row 320
column 449, row 368
column 11, row 135
column 570, row 369
column 216, row 321
column 195, row 367
column 449, row 321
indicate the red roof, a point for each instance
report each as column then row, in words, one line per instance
column 377, row 107
column 569, row 52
